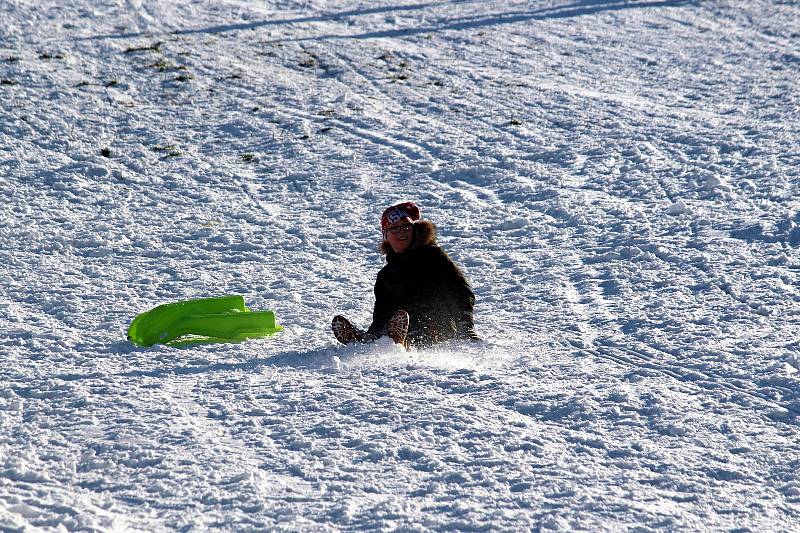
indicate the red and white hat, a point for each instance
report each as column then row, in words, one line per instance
column 395, row 213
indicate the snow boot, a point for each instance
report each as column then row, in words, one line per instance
column 345, row 332
column 398, row 327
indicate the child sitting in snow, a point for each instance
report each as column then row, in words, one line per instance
column 421, row 296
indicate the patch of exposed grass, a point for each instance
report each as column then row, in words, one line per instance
column 155, row 47
column 169, row 150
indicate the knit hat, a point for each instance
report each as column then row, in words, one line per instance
column 398, row 212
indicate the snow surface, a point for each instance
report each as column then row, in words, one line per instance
column 618, row 178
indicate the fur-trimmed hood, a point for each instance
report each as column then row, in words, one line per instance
column 429, row 286
column 424, row 234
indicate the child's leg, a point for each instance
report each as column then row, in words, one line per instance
column 345, row 332
column 398, row 327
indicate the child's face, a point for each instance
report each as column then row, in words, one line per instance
column 399, row 235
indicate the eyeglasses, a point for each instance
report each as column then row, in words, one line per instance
column 397, row 229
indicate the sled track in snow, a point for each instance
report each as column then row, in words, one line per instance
column 407, row 149
column 610, row 350
column 592, row 312
column 421, row 96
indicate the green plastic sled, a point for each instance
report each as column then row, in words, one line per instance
column 204, row 320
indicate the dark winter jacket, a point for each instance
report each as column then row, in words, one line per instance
column 425, row 282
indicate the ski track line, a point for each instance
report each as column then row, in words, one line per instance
column 610, row 350
column 481, row 196
column 212, row 434
column 195, row 417
column 145, row 17
column 404, row 148
column 249, row 190
column 371, row 83
column 422, row 96
column 711, row 276
column 588, row 305
column 686, row 375
column 504, row 128
column 377, row 88
column 638, row 102
column 592, row 311
column 407, row 149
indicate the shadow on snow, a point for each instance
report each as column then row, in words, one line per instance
column 574, row 9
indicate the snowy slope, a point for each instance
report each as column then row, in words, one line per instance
column 618, row 178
